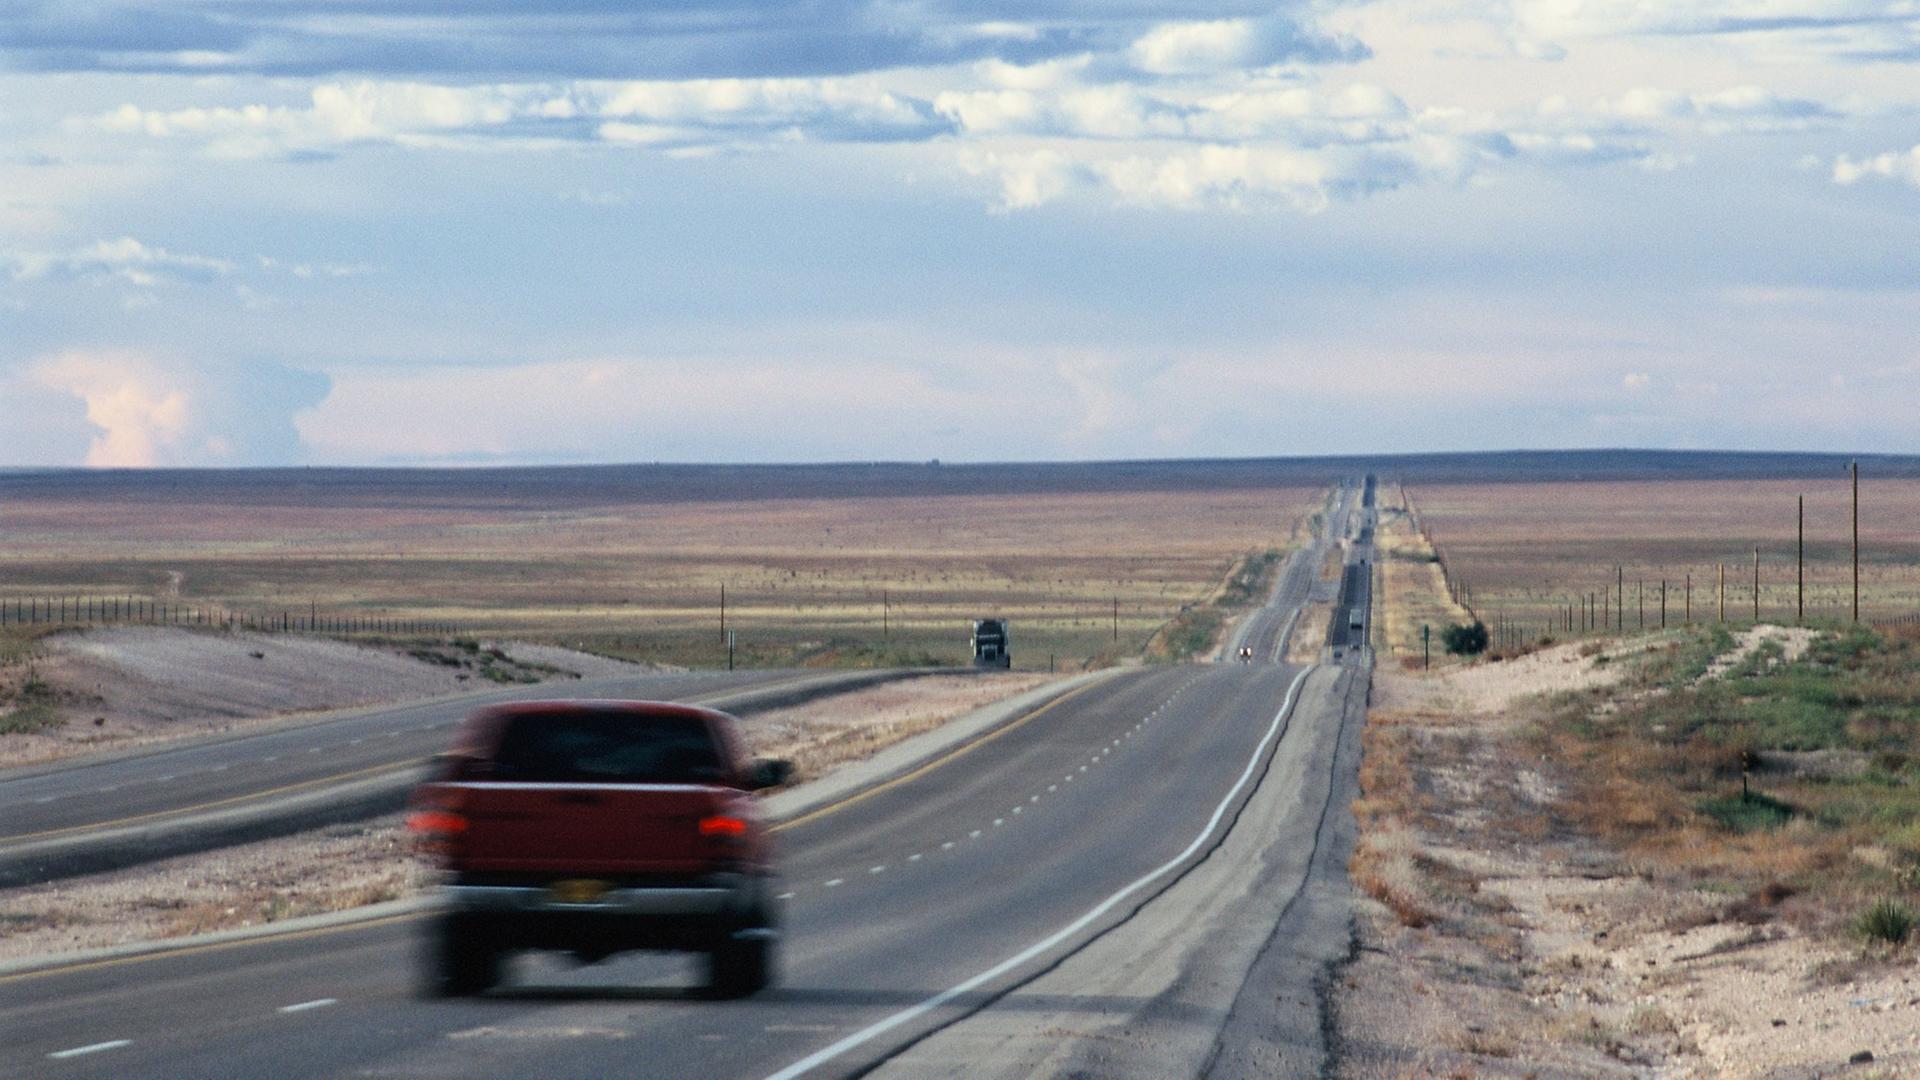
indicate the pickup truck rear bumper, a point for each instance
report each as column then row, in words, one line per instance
column 718, row 899
column 593, row 920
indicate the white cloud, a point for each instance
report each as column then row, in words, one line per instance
column 139, row 411
column 141, row 418
column 124, row 259
column 654, row 113
column 1212, row 46
column 1891, row 165
column 1191, row 48
column 1636, row 380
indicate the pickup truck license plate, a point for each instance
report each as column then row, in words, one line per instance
column 577, row 891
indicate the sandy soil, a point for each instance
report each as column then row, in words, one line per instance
column 1499, row 942
column 341, row 867
column 348, row 866
column 1793, row 644
column 830, row 731
column 1489, row 688
column 125, row 686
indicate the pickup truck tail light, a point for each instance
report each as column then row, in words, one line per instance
column 723, row 825
column 436, row 823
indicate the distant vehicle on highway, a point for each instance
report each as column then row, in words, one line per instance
column 596, row 827
column 991, row 646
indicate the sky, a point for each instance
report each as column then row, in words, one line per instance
column 479, row 232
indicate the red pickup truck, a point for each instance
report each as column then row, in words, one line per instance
column 596, row 827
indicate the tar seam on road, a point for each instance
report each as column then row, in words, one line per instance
column 914, row 1012
column 1319, row 844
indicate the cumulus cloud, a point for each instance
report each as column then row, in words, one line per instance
column 1215, row 45
column 139, row 412
column 311, row 38
column 1891, row 165
column 1801, row 29
column 124, row 259
column 650, row 113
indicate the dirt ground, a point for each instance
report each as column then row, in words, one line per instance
column 126, row 686
column 352, row 865
column 1498, row 941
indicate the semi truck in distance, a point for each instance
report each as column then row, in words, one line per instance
column 991, row 647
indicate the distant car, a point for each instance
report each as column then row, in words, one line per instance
column 597, row 827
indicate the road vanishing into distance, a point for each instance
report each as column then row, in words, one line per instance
column 1143, row 876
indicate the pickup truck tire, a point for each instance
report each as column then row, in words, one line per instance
column 462, row 959
column 737, row 968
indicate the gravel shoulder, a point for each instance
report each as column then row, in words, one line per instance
column 1498, row 940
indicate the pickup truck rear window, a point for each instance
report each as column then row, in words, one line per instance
column 608, row 748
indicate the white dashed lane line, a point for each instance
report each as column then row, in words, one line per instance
column 93, row 1048
column 316, row 1003
column 1000, row 822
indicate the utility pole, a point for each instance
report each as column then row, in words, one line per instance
column 1116, row 618
column 1800, row 566
column 1663, row 603
column 1689, row 619
column 1856, row 540
column 1640, row 596
column 1620, row 590
column 885, row 632
column 1723, row 592
column 1756, row 583
column 723, row 611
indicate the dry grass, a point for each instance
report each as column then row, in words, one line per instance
column 809, row 580
column 1310, row 633
column 330, row 870
column 1410, row 590
column 1529, row 549
column 821, row 734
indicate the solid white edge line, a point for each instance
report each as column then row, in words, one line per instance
column 911, row 1013
column 316, row 1003
column 94, row 1048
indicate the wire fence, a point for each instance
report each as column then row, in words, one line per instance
column 148, row 611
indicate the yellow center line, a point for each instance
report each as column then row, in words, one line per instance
column 968, row 748
column 187, row 950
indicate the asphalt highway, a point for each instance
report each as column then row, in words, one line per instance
column 61, row 806
column 894, row 899
column 910, row 908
